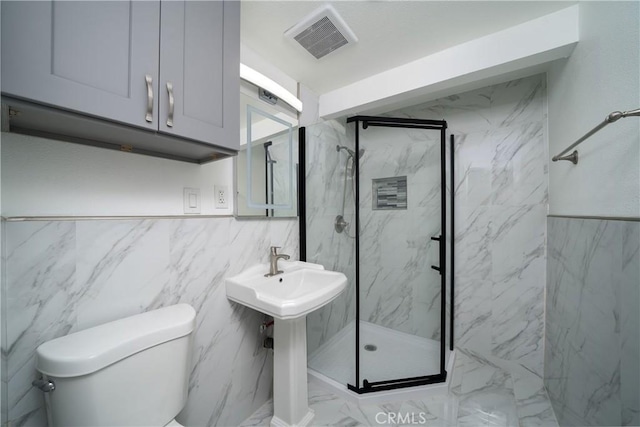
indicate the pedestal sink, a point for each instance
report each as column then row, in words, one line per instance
column 301, row 288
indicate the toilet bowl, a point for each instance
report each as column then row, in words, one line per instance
column 133, row 371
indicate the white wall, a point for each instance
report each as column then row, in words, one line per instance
column 252, row 59
column 42, row 177
column 478, row 63
column 310, row 102
column 601, row 76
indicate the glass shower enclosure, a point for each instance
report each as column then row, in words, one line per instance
column 375, row 208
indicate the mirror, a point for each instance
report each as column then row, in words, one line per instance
column 266, row 167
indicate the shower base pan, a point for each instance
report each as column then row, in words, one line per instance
column 392, row 354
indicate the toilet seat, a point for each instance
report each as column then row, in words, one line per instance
column 174, row 423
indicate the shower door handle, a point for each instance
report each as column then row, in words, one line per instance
column 440, row 251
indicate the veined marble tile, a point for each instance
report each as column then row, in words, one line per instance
column 370, row 415
column 473, row 242
column 249, row 243
column 122, row 265
column 261, row 417
column 335, row 252
column 381, row 307
column 389, row 239
column 496, row 394
column 519, row 270
column 593, row 256
column 426, row 307
column 532, row 401
column 464, row 113
column 501, row 196
column 629, row 297
column 474, row 159
column 325, row 166
column 519, row 169
column 518, row 239
column 40, row 303
column 64, row 276
column 586, row 322
column 518, row 101
column 487, row 396
column 199, row 260
column 495, row 408
column 518, row 317
column 439, row 411
column 284, row 233
column 330, row 410
column 324, row 323
column 473, row 308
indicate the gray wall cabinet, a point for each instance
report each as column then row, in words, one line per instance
column 194, row 39
column 167, row 67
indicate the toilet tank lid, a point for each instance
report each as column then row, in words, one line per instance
column 90, row 350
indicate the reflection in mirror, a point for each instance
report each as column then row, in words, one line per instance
column 266, row 168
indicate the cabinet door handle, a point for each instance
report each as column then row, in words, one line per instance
column 149, row 80
column 171, row 104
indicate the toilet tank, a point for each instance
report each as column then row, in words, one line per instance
column 130, row 372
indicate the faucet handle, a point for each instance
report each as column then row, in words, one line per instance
column 274, row 250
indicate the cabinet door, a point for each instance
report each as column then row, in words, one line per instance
column 200, row 59
column 85, row 56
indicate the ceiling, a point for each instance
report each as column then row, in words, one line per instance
column 390, row 33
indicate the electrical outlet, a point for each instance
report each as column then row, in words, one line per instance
column 221, row 196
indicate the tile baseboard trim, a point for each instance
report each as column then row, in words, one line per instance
column 601, row 218
column 101, row 218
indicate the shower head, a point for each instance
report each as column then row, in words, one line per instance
column 350, row 151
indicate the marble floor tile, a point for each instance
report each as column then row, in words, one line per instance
column 483, row 392
column 532, row 401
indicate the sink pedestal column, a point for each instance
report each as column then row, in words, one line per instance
column 290, row 397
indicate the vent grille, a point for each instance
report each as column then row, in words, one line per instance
column 321, row 38
column 322, row 32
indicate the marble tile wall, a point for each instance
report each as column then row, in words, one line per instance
column 500, row 187
column 64, row 276
column 500, row 184
column 325, row 186
column 592, row 355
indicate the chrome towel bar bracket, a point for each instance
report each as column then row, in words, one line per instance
column 613, row 117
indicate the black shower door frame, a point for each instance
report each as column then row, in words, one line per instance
column 406, row 123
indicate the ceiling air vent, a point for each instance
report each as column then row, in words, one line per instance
column 321, row 32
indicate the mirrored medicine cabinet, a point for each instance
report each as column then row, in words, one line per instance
column 266, row 168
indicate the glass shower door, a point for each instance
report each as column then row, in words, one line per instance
column 329, row 194
column 400, row 275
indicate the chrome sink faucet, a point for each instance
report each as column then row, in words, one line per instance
column 273, row 261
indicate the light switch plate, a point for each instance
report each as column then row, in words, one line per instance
column 191, row 200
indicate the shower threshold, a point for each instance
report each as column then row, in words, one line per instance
column 385, row 354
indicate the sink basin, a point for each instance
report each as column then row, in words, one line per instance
column 302, row 288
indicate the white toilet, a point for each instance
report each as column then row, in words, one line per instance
column 130, row 372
